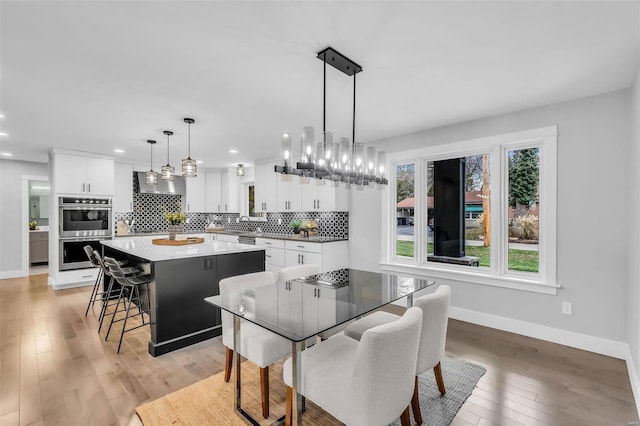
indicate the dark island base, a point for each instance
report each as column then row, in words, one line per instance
column 179, row 315
column 179, row 343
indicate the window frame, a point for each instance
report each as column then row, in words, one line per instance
column 497, row 274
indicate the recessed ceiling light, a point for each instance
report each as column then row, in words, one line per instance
column 233, row 151
column 3, row 134
column 199, row 161
column 6, row 154
column 119, row 151
column 1, row 115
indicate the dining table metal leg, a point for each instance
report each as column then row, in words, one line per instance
column 296, row 377
column 236, row 351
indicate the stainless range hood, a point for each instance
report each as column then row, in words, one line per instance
column 175, row 187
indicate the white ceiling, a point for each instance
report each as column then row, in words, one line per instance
column 95, row 76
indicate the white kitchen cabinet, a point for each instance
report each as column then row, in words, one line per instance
column 323, row 196
column 77, row 174
column 266, row 188
column 329, row 255
column 230, row 192
column 274, row 253
column 123, row 191
column 319, row 307
column 288, row 193
column 196, row 193
column 213, row 201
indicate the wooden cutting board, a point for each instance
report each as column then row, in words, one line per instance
column 168, row 242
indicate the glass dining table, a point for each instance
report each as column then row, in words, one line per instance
column 303, row 308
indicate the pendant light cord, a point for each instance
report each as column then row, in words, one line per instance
column 324, row 103
column 353, row 124
column 189, row 133
column 167, row 150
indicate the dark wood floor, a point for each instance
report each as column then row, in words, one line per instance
column 56, row 369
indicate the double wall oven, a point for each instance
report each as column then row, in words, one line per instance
column 82, row 221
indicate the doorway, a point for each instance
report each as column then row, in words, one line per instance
column 38, row 199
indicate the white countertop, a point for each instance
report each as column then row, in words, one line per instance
column 143, row 247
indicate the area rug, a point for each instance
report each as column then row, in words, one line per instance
column 210, row 401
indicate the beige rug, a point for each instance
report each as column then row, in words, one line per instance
column 210, row 402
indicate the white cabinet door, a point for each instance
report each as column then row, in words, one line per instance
column 100, row 176
column 70, row 174
column 123, row 191
column 289, row 306
column 196, row 193
column 326, row 298
column 213, row 202
column 75, row 174
column 230, row 192
column 309, row 308
column 266, row 188
column 332, row 199
column 309, row 196
column 289, row 193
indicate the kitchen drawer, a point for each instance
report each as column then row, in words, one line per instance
column 303, row 246
column 274, row 256
column 38, row 236
column 295, row 257
column 270, row 242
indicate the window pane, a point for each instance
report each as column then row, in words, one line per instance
column 405, row 209
column 524, row 177
column 466, row 180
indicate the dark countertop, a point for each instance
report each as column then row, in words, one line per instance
column 271, row 235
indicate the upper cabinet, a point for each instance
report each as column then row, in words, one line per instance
column 213, row 197
column 123, row 193
column 288, row 193
column 266, row 188
column 196, row 193
column 230, row 192
column 81, row 175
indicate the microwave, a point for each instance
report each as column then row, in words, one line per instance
column 85, row 217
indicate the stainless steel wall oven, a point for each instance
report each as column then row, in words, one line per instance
column 72, row 255
column 85, row 217
column 82, row 221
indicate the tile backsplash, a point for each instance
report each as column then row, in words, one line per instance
column 148, row 208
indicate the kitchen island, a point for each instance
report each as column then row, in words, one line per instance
column 182, row 276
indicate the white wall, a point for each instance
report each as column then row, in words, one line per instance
column 634, row 233
column 11, row 223
column 594, row 214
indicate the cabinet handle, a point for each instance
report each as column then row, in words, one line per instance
column 266, row 255
column 188, row 207
column 302, row 255
column 267, row 243
column 218, row 207
column 83, row 186
column 88, row 187
column 86, row 276
column 318, row 204
column 314, row 204
column 300, row 246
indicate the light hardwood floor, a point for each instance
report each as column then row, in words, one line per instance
column 56, row 369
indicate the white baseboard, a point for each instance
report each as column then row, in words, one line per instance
column 585, row 342
column 633, row 378
column 12, row 274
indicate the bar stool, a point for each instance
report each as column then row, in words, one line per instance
column 96, row 262
column 109, row 297
column 132, row 284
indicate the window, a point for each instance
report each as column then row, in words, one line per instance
column 484, row 209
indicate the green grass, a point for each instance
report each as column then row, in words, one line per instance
column 519, row 260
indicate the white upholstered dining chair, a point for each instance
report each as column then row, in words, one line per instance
column 435, row 309
column 257, row 344
column 362, row 383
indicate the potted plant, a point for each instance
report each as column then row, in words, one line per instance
column 32, row 225
column 175, row 220
column 295, row 224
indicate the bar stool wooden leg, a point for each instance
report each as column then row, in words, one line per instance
column 288, row 407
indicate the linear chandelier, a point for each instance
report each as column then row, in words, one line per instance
column 347, row 161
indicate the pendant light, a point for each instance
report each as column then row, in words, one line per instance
column 240, row 170
column 189, row 166
column 348, row 161
column 168, row 171
column 151, row 177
